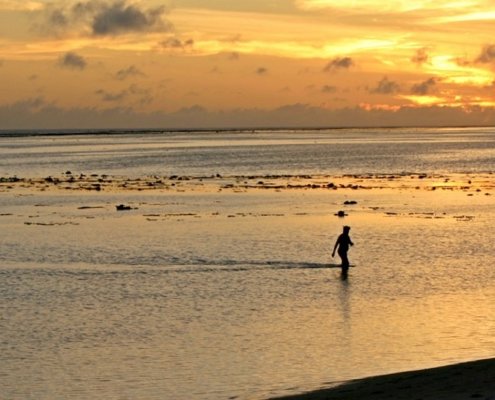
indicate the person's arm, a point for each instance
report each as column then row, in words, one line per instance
column 350, row 242
column 335, row 247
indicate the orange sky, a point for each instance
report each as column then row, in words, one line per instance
column 217, row 63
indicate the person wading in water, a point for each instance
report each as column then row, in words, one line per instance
column 343, row 242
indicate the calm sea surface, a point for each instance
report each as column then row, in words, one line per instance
column 225, row 294
column 258, row 152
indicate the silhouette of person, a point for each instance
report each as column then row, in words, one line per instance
column 343, row 242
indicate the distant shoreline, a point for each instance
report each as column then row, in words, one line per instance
column 470, row 380
column 128, row 131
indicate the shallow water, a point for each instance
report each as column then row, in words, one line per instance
column 337, row 151
column 223, row 294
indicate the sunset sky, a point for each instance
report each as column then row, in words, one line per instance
column 246, row 63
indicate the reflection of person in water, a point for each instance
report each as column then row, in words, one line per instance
column 343, row 242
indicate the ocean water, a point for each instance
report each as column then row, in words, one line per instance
column 341, row 151
column 214, row 288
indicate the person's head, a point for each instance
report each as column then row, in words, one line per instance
column 347, row 229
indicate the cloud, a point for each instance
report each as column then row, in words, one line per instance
column 261, row 71
column 338, row 64
column 121, row 18
column 462, row 61
column 176, row 43
column 36, row 113
column 129, row 72
column 103, row 18
column 487, row 54
column 110, row 97
column 31, row 104
column 423, row 88
column 328, row 89
column 57, row 18
column 372, row 7
column 16, row 5
column 72, row 60
column 132, row 90
column 420, row 57
column 385, row 86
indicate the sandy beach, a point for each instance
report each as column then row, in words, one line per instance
column 471, row 380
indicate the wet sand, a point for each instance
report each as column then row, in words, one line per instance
column 471, row 380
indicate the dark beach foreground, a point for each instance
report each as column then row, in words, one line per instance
column 471, row 380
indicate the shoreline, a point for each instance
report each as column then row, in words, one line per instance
column 467, row 380
column 26, row 132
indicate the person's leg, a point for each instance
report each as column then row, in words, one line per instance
column 345, row 264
